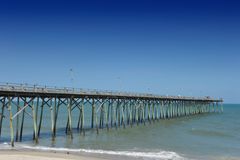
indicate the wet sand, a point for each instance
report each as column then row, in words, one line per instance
column 33, row 155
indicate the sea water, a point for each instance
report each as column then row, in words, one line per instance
column 205, row 136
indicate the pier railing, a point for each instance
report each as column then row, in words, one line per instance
column 68, row 90
column 31, row 88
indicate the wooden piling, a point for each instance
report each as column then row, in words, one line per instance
column 93, row 113
column 17, row 120
column 41, row 116
column 11, row 121
column 70, row 117
column 149, row 105
column 118, row 111
column 96, row 119
column 82, row 119
column 23, row 117
column 34, row 123
column 53, row 115
column 56, row 116
column 108, row 114
column 221, row 106
column 79, row 116
column 2, row 115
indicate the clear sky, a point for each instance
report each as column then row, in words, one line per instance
column 187, row 48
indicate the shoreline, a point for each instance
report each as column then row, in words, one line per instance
column 15, row 154
column 95, row 154
column 28, row 154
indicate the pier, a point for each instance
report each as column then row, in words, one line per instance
column 108, row 109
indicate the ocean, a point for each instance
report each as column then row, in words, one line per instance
column 207, row 136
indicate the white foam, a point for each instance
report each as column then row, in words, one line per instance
column 5, row 146
column 152, row 155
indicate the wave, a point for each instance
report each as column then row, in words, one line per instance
column 137, row 154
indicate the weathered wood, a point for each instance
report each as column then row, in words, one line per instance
column 96, row 119
column 34, row 123
column 2, row 115
column 41, row 116
column 11, row 121
column 23, row 117
column 93, row 113
column 56, row 116
column 123, row 116
column 17, row 120
column 103, row 117
column 37, row 106
column 221, row 107
column 115, row 114
column 82, row 119
column 131, row 113
column 154, row 111
column 118, row 111
column 79, row 116
column 144, row 112
column 70, row 117
column 108, row 114
column 36, row 116
column 112, row 113
column 53, row 115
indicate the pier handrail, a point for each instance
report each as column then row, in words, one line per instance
column 35, row 88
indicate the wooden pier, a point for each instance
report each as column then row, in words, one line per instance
column 108, row 109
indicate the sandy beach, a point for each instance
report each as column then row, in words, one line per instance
column 33, row 155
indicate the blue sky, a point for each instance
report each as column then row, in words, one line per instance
column 187, row 48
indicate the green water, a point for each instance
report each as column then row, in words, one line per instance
column 206, row 136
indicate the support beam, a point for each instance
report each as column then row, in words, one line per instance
column 93, row 113
column 58, row 102
column 82, row 119
column 70, row 117
column 2, row 115
column 41, row 116
column 23, row 117
column 17, row 121
column 11, row 121
column 34, row 123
